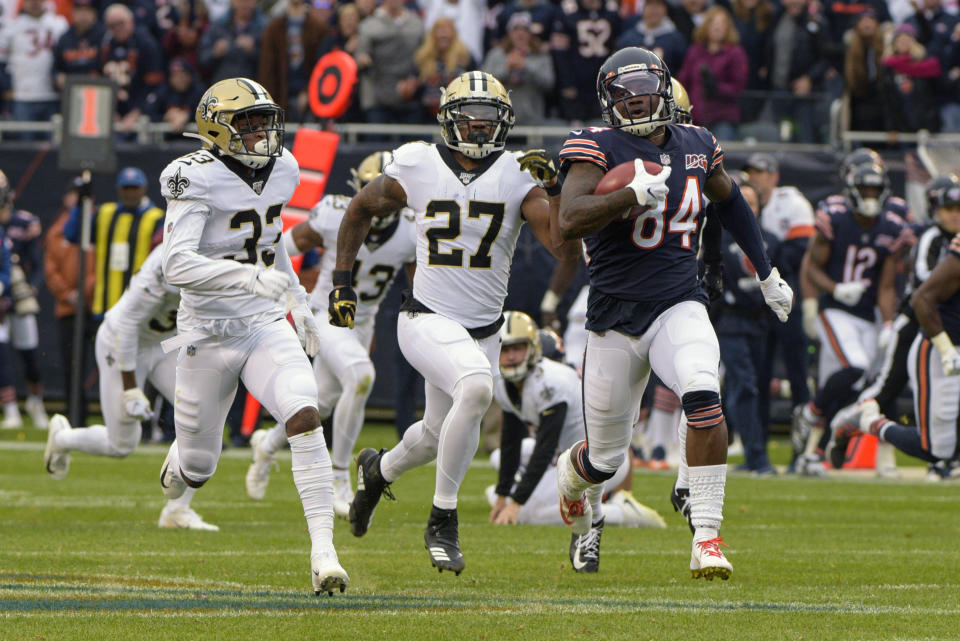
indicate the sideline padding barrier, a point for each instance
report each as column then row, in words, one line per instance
column 315, row 151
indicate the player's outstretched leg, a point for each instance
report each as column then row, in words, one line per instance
column 177, row 514
column 370, row 487
column 56, row 459
column 585, row 549
column 575, row 509
column 442, row 540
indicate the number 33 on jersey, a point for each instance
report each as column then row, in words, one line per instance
column 242, row 217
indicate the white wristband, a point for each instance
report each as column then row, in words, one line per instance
column 943, row 344
column 289, row 244
column 549, row 303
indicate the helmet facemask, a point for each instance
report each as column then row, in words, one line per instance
column 868, row 189
column 456, row 117
column 518, row 371
column 621, row 99
column 252, row 120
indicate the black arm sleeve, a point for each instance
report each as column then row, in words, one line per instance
column 736, row 216
column 511, row 436
column 712, row 235
column 548, row 435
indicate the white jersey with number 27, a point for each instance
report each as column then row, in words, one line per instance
column 467, row 228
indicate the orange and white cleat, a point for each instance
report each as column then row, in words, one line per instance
column 707, row 560
column 575, row 509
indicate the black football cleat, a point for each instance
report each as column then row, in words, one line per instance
column 585, row 549
column 680, row 500
column 370, row 487
column 442, row 541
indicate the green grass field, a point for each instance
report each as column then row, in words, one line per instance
column 851, row 558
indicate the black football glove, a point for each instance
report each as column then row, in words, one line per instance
column 712, row 281
column 343, row 300
column 540, row 165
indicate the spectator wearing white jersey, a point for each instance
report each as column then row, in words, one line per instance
column 788, row 215
column 26, row 52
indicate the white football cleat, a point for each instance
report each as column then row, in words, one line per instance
column 258, row 476
column 342, row 497
column 56, row 460
column 707, row 560
column 184, row 518
column 886, row 461
column 11, row 417
column 327, row 573
column 173, row 486
column 37, row 412
column 635, row 513
column 575, row 509
column 811, row 465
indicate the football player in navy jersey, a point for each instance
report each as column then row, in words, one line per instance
column 852, row 262
column 935, row 381
column 646, row 307
column 943, row 198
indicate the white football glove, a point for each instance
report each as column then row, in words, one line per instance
column 1, row 288
column 270, row 284
column 777, row 294
column 650, row 190
column 886, row 335
column 308, row 331
column 849, row 293
column 136, row 405
column 811, row 315
column 949, row 355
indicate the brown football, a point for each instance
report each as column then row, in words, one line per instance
column 619, row 177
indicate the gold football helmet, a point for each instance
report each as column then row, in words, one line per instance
column 368, row 169
column 682, row 109
column 471, row 97
column 518, row 328
column 225, row 114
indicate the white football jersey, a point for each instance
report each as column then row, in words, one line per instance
column 26, row 45
column 788, row 214
column 146, row 312
column 242, row 224
column 547, row 385
column 467, row 228
column 375, row 267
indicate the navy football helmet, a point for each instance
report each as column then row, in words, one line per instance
column 936, row 191
column 857, row 158
column 867, row 187
column 629, row 74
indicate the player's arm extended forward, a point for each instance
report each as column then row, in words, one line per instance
column 381, row 195
column 583, row 213
column 183, row 266
column 541, row 213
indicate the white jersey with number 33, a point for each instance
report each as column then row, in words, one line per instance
column 376, row 265
column 242, row 222
column 467, row 228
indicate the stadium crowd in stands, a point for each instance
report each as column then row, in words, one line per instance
column 763, row 69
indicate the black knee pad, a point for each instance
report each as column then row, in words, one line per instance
column 702, row 409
